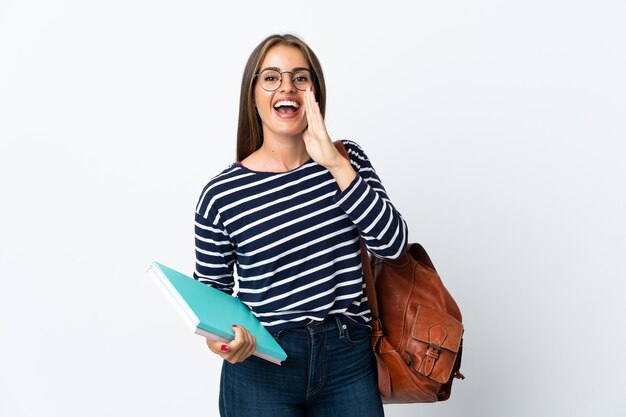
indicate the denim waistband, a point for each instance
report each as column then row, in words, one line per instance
column 332, row 322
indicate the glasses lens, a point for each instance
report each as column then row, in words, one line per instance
column 269, row 79
column 302, row 79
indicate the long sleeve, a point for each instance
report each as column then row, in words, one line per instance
column 215, row 255
column 365, row 201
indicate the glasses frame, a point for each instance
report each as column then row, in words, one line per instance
column 258, row 74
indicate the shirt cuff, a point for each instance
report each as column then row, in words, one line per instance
column 354, row 196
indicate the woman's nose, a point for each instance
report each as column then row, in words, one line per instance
column 287, row 84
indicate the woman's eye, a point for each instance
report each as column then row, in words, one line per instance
column 301, row 78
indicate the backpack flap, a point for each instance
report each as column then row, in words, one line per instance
column 434, row 344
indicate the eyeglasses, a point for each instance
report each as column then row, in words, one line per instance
column 270, row 79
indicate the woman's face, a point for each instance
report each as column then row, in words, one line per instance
column 282, row 111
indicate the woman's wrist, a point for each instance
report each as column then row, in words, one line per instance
column 343, row 173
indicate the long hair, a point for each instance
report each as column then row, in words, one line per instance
column 249, row 128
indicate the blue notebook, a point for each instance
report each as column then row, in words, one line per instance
column 213, row 312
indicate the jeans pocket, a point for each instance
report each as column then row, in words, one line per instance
column 356, row 335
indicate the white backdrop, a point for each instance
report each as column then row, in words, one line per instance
column 498, row 128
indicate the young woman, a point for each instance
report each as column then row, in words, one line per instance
column 290, row 215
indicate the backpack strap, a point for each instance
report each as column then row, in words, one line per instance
column 367, row 271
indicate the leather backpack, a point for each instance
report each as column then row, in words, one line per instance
column 417, row 329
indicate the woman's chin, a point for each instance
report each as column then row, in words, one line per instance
column 288, row 129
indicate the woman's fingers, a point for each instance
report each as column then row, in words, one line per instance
column 313, row 114
column 242, row 346
column 250, row 347
column 219, row 348
column 318, row 144
column 308, row 106
column 315, row 135
column 238, row 350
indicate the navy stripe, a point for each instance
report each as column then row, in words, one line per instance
column 291, row 240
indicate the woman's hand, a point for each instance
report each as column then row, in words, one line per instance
column 319, row 145
column 238, row 350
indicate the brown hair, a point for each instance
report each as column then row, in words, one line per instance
column 249, row 129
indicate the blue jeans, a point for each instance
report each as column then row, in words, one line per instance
column 330, row 371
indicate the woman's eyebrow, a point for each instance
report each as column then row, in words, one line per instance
column 280, row 70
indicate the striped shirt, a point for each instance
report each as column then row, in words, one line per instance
column 294, row 239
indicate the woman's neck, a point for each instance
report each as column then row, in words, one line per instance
column 278, row 154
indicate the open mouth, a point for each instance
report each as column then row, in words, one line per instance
column 286, row 108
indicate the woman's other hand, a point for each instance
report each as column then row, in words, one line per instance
column 238, row 350
column 319, row 145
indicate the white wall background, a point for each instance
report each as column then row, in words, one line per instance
column 499, row 129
